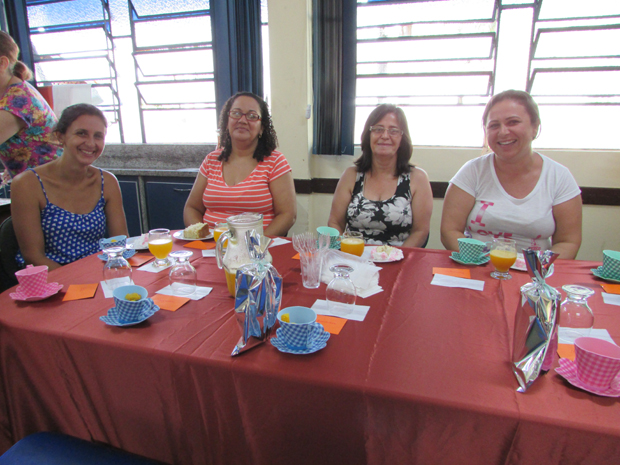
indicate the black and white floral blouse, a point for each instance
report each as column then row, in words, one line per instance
column 381, row 221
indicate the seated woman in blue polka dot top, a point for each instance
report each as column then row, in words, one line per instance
column 61, row 209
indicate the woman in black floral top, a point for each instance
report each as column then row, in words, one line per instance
column 384, row 197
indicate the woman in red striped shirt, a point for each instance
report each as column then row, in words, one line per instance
column 246, row 174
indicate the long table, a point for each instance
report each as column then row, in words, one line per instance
column 425, row 378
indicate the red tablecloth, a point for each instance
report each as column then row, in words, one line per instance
column 425, row 378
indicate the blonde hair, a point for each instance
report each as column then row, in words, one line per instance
column 9, row 49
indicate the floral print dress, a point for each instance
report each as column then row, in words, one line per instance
column 381, row 221
column 30, row 147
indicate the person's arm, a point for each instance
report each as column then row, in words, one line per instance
column 194, row 209
column 421, row 208
column 26, row 214
column 284, row 205
column 9, row 125
column 114, row 211
column 341, row 200
column 456, row 207
column 567, row 237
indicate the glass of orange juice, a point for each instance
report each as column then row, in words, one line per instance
column 160, row 245
column 352, row 242
column 218, row 230
column 503, row 256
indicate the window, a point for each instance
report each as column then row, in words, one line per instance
column 151, row 63
column 441, row 61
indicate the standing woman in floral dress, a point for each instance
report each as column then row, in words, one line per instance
column 26, row 120
column 383, row 196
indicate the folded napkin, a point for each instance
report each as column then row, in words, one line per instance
column 365, row 275
column 451, row 281
column 611, row 299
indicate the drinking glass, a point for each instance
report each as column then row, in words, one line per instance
column 576, row 316
column 182, row 275
column 160, row 245
column 352, row 242
column 340, row 294
column 117, row 270
column 218, row 230
column 503, row 256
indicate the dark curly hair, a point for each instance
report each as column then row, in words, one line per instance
column 73, row 112
column 267, row 142
column 403, row 154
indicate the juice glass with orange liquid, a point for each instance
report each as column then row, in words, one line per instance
column 218, row 230
column 160, row 245
column 352, row 242
column 503, row 256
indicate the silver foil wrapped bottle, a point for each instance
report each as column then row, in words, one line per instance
column 258, row 294
column 536, row 321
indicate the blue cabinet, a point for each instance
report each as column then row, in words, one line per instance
column 165, row 199
column 131, row 203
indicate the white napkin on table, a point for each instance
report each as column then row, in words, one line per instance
column 365, row 275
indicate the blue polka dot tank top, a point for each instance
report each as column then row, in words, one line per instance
column 70, row 236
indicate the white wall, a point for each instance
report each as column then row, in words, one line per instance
column 291, row 89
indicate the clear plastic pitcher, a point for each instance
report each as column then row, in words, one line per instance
column 236, row 253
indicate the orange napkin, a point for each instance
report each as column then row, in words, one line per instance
column 200, row 245
column 140, row 258
column 331, row 324
column 456, row 272
column 169, row 302
column 566, row 351
column 296, row 257
column 80, row 291
column 611, row 288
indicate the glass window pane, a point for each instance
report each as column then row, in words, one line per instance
column 579, row 44
column 174, row 31
column 57, row 43
column 577, row 83
column 423, row 85
column 179, row 92
column 176, row 63
column 578, row 8
column 65, row 12
column 438, row 49
column 86, row 69
column 159, row 7
column 181, row 126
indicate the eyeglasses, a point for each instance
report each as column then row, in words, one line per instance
column 380, row 130
column 250, row 115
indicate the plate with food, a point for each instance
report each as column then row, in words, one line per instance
column 383, row 254
column 195, row 232
column 138, row 242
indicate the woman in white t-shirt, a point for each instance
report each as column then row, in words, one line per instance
column 513, row 192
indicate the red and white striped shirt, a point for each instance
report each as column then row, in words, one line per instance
column 250, row 195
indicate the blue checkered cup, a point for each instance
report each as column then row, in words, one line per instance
column 472, row 250
column 130, row 301
column 116, row 241
column 611, row 264
column 299, row 327
column 332, row 233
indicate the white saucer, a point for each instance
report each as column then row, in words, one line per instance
column 457, row 258
column 598, row 272
column 319, row 343
column 568, row 371
column 112, row 317
column 179, row 235
column 127, row 254
column 50, row 289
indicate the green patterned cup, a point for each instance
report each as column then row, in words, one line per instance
column 611, row 264
column 471, row 250
column 333, row 233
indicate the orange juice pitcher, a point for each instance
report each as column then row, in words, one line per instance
column 236, row 253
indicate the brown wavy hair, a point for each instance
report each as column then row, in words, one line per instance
column 267, row 142
column 73, row 112
column 518, row 96
column 9, row 49
column 405, row 150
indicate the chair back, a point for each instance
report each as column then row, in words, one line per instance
column 8, row 249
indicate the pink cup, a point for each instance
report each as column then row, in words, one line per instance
column 32, row 280
column 598, row 361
